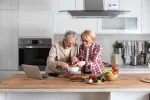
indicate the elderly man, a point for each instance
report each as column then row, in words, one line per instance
column 61, row 54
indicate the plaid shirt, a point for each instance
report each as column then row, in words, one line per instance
column 94, row 59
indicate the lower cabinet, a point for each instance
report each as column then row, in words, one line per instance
column 128, row 95
column 122, row 95
column 4, row 75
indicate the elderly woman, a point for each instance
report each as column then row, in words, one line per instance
column 61, row 53
column 89, row 57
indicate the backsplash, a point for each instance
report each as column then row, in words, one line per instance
column 107, row 41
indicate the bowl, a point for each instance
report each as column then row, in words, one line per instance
column 73, row 69
column 111, row 77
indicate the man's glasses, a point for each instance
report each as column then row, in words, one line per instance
column 68, row 44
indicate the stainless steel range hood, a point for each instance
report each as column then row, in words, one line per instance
column 96, row 8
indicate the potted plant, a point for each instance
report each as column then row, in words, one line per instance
column 118, row 47
column 147, row 45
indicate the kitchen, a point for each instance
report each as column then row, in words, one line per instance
column 42, row 19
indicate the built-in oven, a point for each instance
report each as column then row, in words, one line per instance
column 34, row 51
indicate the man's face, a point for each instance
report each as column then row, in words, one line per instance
column 69, row 42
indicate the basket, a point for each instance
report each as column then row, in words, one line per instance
column 111, row 77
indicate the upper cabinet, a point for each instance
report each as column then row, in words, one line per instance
column 35, row 18
column 58, row 5
column 145, row 16
column 9, row 40
column 79, row 4
column 8, row 4
column 63, row 22
column 127, row 23
column 35, row 23
column 34, row 5
column 134, row 6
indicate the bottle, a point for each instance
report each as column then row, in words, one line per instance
column 115, row 59
column 141, row 60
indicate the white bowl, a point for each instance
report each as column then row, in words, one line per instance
column 73, row 69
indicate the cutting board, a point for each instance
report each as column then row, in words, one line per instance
column 146, row 79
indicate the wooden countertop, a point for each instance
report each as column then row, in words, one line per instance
column 125, row 82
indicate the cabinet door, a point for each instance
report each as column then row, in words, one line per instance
column 4, row 75
column 58, row 5
column 35, row 23
column 145, row 16
column 34, row 4
column 120, row 25
column 9, row 40
column 79, row 4
column 134, row 6
column 126, row 23
column 8, row 4
column 63, row 22
column 79, row 25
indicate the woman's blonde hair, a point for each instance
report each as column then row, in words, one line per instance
column 88, row 35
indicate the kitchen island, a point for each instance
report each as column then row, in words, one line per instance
column 126, row 87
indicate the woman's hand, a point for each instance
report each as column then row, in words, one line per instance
column 75, row 60
column 81, row 63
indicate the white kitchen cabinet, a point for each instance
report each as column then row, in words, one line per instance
column 79, row 4
column 35, row 23
column 8, row 40
column 81, row 24
column 57, row 96
column 130, row 22
column 8, row 4
column 145, row 16
column 4, row 75
column 134, row 6
column 63, row 22
column 34, row 4
column 58, row 5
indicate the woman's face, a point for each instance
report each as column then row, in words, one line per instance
column 85, row 42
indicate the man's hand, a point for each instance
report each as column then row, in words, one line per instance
column 63, row 65
column 80, row 63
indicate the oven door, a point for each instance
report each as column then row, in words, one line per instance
column 33, row 56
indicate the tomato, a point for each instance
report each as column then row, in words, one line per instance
column 73, row 75
column 91, row 77
column 114, row 68
column 73, row 65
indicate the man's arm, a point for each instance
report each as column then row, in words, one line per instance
column 51, row 60
column 52, row 57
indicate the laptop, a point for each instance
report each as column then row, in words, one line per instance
column 32, row 71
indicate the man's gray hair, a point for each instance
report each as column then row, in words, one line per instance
column 70, row 34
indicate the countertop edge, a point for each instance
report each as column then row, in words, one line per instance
column 76, row 90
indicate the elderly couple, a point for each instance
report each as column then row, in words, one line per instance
column 63, row 52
